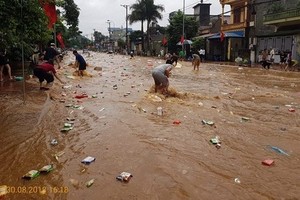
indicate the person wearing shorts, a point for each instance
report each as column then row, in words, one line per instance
column 4, row 62
column 196, row 61
column 160, row 75
column 46, row 71
column 80, row 63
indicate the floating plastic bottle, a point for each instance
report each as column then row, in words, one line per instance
column 278, row 150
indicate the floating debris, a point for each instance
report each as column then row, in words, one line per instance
column 88, row 160
column 237, row 180
column 210, row 123
column 177, row 122
column 31, row 174
column 46, row 168
column 268, row 162
column 54, row 142
column 90, row 183
column 124, row 177
column 278, row 150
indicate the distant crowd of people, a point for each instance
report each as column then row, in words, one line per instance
column 286, row 61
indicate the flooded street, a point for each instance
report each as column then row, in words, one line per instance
column 251, row 108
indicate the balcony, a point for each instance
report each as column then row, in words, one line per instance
column 223, row 2
column 235, row 26
column 289, row 17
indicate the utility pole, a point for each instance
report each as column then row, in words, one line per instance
column 126, row 7
column 109, row 32
column 183, row 16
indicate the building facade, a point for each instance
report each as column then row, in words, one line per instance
column 233, row 38
column 277, row 25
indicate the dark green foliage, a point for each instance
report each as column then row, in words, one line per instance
column 174, row 30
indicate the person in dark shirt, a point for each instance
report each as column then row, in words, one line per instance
column 46, row 71
column 80, row 63
column 50, row 53
column 4, row 62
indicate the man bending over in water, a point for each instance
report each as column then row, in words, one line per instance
column 160, row 75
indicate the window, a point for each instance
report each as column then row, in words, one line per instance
column 237, row 15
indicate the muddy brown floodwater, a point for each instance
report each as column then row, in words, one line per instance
column 121, row 129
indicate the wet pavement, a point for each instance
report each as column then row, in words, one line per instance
column 252, row 110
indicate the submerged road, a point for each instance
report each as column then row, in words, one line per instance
column 254, row 113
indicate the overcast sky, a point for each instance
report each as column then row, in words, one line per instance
column 95, row 13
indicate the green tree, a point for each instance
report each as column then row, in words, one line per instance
column 152, row 14
column 174, row 30
column 138, row 15
column 22, row 23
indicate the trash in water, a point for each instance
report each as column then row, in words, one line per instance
column 278, row 150
column 292, row 110
column 124, row 177
column 66, row 129
column 159, row 111
column 237, row 180
column 18, row 78
column 268, row 162
column 3, row 190
column 215, row 140
column 46, row 168
column 90, row 183
column 81, row 96
column 208, row 122
column 54, row 142
column 74, row 182
column 68, row 125
column 67, row 86
column 70, row 119
column 57, row 155
column 78, row 107
column 88, row 160
column 31, row 174
column 244, row 119
column 177, row 122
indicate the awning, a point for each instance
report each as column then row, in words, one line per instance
column 231, row 34
column 204, row 36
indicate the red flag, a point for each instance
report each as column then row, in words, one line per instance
column 182, row 39
column 50, row 12
column 60, row 40
column 164, row 41
column 222, row 36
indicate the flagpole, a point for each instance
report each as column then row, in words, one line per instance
column 183, row 11
column 54, row 29
column 22, row 49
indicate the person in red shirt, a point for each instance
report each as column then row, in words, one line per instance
column 46, row 71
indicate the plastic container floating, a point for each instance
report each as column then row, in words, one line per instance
column 210, row 123
column 124, row 177
column 19, row 78
column 54, row 142
column 237, row 180
column 159, row 111
column 3, row 191
column 88, row 160
column 46, row 168
column 90, row 183
column 31, row 174
column 177, row 122
column 268, row 162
